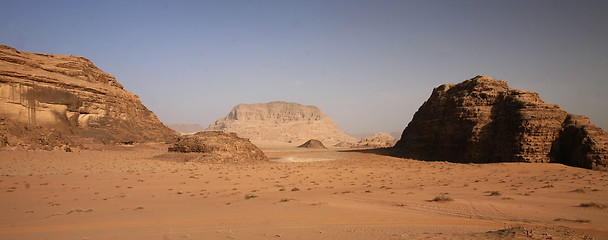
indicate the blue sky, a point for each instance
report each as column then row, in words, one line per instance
column 369, row 65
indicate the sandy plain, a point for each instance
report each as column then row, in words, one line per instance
column 125, row 192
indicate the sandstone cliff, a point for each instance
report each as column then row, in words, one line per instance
column 483, row 120
column 281, row 121
column 70, row 95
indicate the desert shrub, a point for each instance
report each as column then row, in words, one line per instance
column 250, row 196
column 442, row 198
column 494, row 193
column 594, row 205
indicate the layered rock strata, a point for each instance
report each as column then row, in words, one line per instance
column 483, row 120
column 281, row 121
column 71, row 96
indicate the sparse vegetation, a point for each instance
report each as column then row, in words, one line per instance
column 442, row 198
column 594, row 205
column 494, row 193
column 572, row 220
column 79, row 211
column 250, row 196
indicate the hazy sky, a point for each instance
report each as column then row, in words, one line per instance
column 369, row 65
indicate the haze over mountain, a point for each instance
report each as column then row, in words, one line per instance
column 370, row 61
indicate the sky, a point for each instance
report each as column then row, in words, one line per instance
column 368, row 65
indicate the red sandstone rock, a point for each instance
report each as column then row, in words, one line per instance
column 483, row 120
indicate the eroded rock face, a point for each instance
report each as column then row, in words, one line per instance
column 70, row 95
column 218, row 147
column 281, row 121
column 378, row 140
column 483, row 120
column 312, row 143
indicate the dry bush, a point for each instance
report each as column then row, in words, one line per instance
column 594, row 205
column 442, row 198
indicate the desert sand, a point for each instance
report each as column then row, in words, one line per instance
column 125, row 192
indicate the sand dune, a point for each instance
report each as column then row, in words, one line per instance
column 126, row 193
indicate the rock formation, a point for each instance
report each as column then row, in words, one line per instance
column 483, row 120
column 312, row 143
column 217, row 147
column 70, row 96
column 281, row 121
column 378, row 140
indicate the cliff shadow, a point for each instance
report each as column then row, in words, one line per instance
column 377, row 151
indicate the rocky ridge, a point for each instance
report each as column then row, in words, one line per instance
column 281, row 121
column 69, row 95
column 483, row 120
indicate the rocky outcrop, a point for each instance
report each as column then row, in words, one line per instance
column 378, row 140
column 217, row 147
column 483, row 120
column 312, row 143
column 581, row 144
column 71, row 96
column 281, row 121
column 15, row 135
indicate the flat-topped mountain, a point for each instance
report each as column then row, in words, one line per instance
column 69, row 95
column 281, row 121
column 483, row 120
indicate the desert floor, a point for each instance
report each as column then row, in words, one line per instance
column 127, row 193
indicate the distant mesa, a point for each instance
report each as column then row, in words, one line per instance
column 482, row 120
column 281, row 122
column 377, row 140
column 217, row 147
column 312, row 143
column 186, row 128
column 68, row 97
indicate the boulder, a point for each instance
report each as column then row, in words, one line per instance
column 482, row 120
